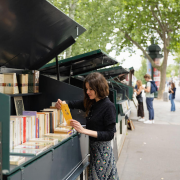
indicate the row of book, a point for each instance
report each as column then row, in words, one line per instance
column 35, row 146
column 27, row 82
column 34, row 124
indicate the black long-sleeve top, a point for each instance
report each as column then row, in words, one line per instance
column 101, row 118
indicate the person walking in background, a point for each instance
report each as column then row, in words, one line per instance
column 149, row 98
column 172, row 91
column 138, row 90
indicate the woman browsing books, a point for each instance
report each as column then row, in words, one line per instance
column 100, row 125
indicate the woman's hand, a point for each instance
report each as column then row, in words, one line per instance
column 58, row 104
column 77, row 126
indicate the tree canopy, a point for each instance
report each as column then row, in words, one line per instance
column 142, row 71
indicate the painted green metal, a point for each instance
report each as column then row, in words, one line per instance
column 5, row 120
column 76, row 58
column 108, row 72
column 130, row 89
column 35, row 158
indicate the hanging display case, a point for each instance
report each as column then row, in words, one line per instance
column 31, row 34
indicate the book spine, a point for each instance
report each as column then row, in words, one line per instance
column 27, row 129
column 24, row 129
column 48, row 131
column 18, row 132
column 15, row 133
column 38, row 127
column 34, row 127
column 51, row 125
column 37, row 130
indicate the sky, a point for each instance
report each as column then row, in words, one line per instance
column 135, row 59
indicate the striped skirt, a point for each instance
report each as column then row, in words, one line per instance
column 102, row 162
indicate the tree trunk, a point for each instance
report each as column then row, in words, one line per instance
column 72, row 10
column 163, row 75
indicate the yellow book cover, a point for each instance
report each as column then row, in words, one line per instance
column 66, row 113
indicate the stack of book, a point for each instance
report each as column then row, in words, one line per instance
column 12, row 83
column 34, row 132
column 17, row 160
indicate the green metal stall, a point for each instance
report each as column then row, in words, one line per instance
column 31, row 34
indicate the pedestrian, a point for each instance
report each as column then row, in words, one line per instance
column 140, row 111
column 172, row 91
column 149, row 98
column 100, row 126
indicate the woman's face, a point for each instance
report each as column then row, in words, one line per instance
column 90, row 92
column 137, row 83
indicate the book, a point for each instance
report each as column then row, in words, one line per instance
column 1, row 83
column 31, row 152
column 66, row 113
column 51, row 120
column 34, row 147
column 31, row 113
column 39, row 144
column 55, row 115
column 60, row 137
column 23, row 83
column 37, row 127
column 16, row 160
column 62, row 130
column 54, row 141
column 36, row 81
column 19, row 105
column 10, row 83
column 33, row 81
column 41, row 117
column 58, row 113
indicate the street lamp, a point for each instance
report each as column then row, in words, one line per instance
column 153, row 51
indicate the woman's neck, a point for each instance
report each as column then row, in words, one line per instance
column 97, row 99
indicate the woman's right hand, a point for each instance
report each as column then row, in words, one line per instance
column 58, row 104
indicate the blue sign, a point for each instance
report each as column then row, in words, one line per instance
column 149, row 68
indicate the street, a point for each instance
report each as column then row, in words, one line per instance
column 151, row 152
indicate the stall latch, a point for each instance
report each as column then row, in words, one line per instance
column 22, row 173
column 52, row 154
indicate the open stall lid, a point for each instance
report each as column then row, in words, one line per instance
column 33, row 32
column 109, row 72
column 80, row 64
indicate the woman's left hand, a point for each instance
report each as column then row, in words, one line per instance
column 77, row 126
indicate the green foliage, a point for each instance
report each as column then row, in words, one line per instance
column 142, row 71
column 170, row 68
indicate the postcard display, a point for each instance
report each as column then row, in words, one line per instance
column 34, row 40
column 119, row 93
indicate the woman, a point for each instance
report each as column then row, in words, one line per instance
column 172, row 91
column 140, row 112
column 100, row 126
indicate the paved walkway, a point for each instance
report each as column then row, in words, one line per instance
column 152, row 151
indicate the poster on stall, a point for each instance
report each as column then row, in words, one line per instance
column 149, row 67
column 157, row 75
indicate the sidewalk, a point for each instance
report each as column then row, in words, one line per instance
column 152, row 151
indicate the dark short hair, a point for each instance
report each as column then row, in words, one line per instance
column 147, row 76
column 99, row 84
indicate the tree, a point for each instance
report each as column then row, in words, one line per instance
column 139, row 20
column 142, row 71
